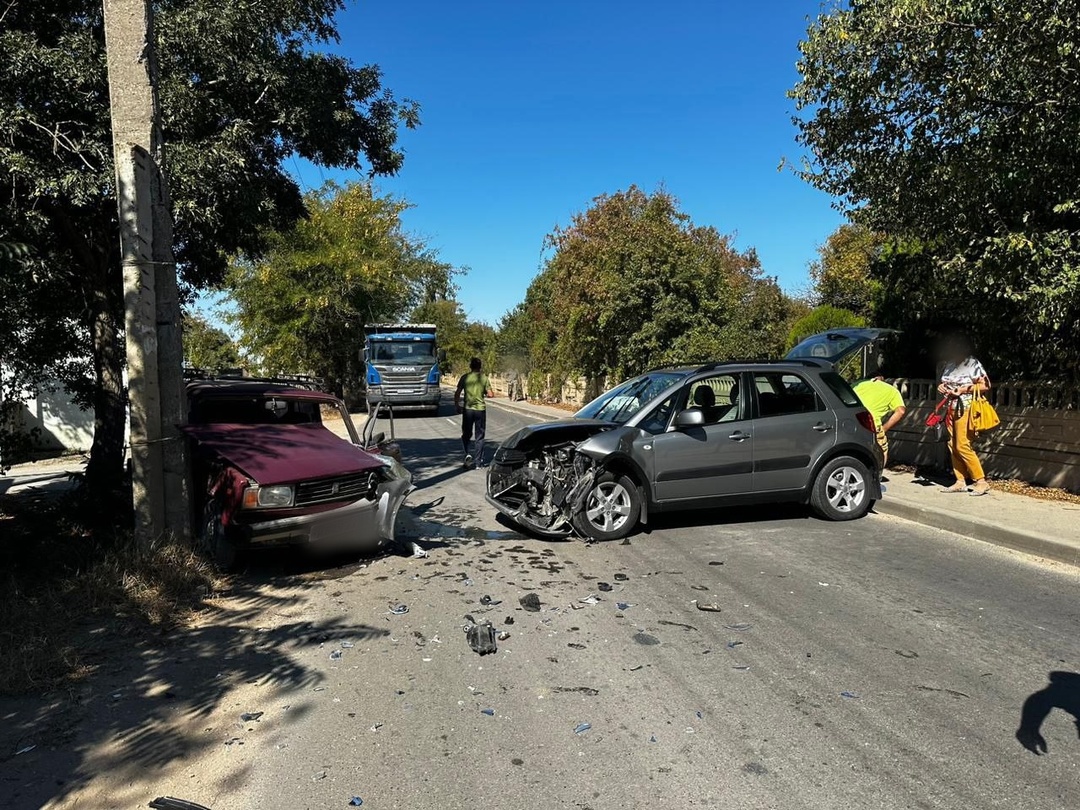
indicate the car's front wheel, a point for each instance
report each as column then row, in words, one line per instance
column 213, row 540
column 842, row 490
column 611, row 509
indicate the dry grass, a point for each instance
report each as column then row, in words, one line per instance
column 63, row 595
column 1017, row 487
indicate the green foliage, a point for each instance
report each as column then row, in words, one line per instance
column 822, row 319
column 243, row 88
column 842, row 273
column 461, row 338
column 634, row 284
column 951, row 126
column 302, row 308
column 206, row 346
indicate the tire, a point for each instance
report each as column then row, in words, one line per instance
column 213, row 540
column 599, row 522
column 841, row 490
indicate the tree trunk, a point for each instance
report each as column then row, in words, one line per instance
column 105, row 471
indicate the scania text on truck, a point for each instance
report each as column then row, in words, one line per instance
column 402, row 365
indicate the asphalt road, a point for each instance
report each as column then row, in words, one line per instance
column 874, row 664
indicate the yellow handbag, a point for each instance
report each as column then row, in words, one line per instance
column 981, row 414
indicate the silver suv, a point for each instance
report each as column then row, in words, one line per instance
column 689, row 438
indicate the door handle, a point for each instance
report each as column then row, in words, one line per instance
column 821, row 427
column 739, row 436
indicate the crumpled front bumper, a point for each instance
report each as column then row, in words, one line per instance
column 364, row 525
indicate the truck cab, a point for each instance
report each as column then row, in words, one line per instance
column 402, row 365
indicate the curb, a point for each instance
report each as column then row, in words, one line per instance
column 984, row 531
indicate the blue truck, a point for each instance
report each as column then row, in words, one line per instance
column 402, row 365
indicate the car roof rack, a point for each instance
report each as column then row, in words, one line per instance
column 808, row 362
column 305, row 381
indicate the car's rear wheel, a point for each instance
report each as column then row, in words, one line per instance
column 842, row 490
column 611, row 509
column 213, row 539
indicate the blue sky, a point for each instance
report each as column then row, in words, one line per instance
column 531, row 109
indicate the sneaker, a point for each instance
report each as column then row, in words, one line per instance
column 468, row 461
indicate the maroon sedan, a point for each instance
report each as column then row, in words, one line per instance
column 267, row 471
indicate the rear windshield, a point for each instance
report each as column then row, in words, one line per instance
column 823, row 347
column 839, row 386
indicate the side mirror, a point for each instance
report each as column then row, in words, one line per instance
column 690, row 418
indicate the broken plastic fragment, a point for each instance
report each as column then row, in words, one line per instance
column 623, row 605
column 417, row 550
column 604, row 587
column 708, row 607
column 356, row 801
column 582, row 728
column 336, row 655
column 742, row 627
column 486, row 600
column 398, row 609
column 850, row 695
column 503, row 635
column 25, row 750
column 481, row 638
column 621, row 577
column 247, row 717
column 742, row 668
column 731, row 645
column 591, row 599
column 488, row 712
column 531, row 602
column 348, row 645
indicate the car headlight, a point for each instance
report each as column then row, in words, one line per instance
column 268, row 497
column 395, row 470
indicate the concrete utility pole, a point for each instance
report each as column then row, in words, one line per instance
column 154, row 350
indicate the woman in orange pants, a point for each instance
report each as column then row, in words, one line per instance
column 962, row 373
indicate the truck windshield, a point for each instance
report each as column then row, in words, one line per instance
column 412, row 351
column 623, row 401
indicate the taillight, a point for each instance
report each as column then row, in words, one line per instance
column 866, row 420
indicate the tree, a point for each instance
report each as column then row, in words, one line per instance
column 822, row 319
column 206, row 346
column 633, row 284
column 461, row 338
column 842, row 273
column 950, row 125
column 302, row 308
column 243, row 87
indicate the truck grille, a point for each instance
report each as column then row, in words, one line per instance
column 343, row 488
column 418, row 377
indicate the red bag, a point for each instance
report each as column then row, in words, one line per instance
column 937, row 417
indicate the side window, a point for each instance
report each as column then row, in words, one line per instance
column 718, row 398
column 657, row 421
column 783, row 394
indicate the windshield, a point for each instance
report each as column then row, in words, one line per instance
column 825, row 347
column 623, row 401
column 412, row 351
column 257, row 410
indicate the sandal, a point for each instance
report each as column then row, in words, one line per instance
column 959, row 486
column 980, row 489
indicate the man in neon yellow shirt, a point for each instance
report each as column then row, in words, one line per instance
column 885, row 404
column 475, row 386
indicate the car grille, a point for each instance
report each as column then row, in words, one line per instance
column 343, row 488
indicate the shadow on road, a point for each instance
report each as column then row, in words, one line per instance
column 152, row 701
column 1063, row 692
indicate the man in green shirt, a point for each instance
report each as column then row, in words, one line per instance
column 475, row 386
column 885, row 404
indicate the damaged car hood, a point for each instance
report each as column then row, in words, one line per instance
column 281, row 454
